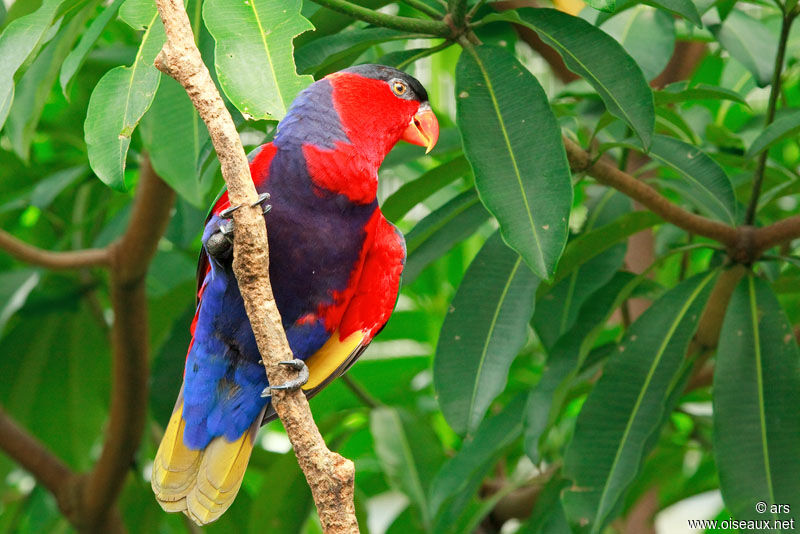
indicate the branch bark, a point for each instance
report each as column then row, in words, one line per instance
column 330, row 476
column 32, row 455
column 129, row 259
column 606, row 173
column 73, row 259
column 777, row 233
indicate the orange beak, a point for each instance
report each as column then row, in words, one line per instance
column 423, row 129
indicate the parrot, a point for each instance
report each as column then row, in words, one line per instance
column 335, row 267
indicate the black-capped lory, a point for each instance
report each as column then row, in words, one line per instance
column 335, row 266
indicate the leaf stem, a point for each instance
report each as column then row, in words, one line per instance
column 422, row 7
column 362, row 394
column 430, row 27
column 425, row 53
column 474, row 9
column 457, row 10
column 775, row 90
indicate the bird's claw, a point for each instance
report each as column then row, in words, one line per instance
column 263, row 197
column 294, row 384
column 227, row 213
column 226, row 229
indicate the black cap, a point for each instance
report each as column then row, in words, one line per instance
column 387, row 74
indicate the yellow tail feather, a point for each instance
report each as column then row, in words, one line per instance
column 175, row 466
column 202, row 484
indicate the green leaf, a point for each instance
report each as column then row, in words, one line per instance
column 557, row 310
column 599, row 59
column 607, row 6
column 174, row 136
column 548, row 515
column 461, row 476
column 713, row 192
column 169, row 269
column 409, row 453
column 682, row 92
column 77, row 56
column 627, row 405
column 33, row 89
column 119, row 100
column 412, row 193
column 253, row 56
column 484, row 329
column 586, row 246
column 319, row 55
column 513, row 143
column 50, row 187
column 756, row 393
column 282, row 507
column 682, row 8
column 15, row 286
column 437, row 233
column 20, row 39
column 567, row 356
column 785, row 126
column 647, row 34
column 749, row 41
column 50, row 362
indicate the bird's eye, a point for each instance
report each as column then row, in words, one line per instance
column 399, row 88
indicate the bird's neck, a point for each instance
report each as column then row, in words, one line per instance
column 338, row 161
column 344, row 170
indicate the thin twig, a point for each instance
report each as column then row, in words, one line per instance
column 430, row 27
column 424, row 53
column 330, row 476
column 362, row 394
column 775, row 90
column 457, row 10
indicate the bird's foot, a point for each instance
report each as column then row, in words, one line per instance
column 220, row 243
column 294, row 384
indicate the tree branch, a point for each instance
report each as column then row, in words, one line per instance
column 74, row 259
column 33, row 456
column 604, row 172
column 777, row 233
column 130, row 259
column 88, row 500
column 329, row 475
column 431, row 27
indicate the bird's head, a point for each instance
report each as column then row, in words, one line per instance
column 346, row 123
column 379, row 105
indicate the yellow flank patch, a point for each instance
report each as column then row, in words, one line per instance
column 330, row 357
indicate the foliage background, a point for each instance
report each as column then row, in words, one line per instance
column 494, row 399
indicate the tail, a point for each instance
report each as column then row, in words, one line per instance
column 200, row 483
